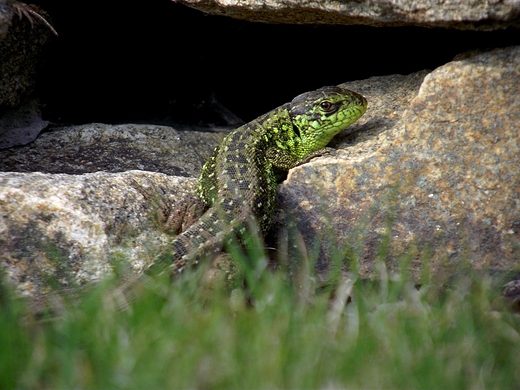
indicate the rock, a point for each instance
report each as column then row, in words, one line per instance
column 460, row 14
column 6, row 15
column 22, row 44
column 434, row 179
column 59, row 231
column 113, row 148
column 21, row 125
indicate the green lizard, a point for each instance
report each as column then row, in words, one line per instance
column 239, row 180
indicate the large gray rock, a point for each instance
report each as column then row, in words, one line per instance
column 60, row 231
column 113, row 148
column 461, row 14
column 436, row 178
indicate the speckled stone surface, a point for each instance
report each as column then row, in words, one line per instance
column 461, row 14
column 113, row 148
column 438, row 176
column 61, row 231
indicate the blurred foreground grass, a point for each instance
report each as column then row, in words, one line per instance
column 391, row 335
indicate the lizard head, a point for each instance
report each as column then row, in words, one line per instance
column 319, row 115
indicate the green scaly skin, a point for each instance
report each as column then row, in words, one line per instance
column 239, row 181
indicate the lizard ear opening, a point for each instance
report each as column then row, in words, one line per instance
column 296, row 131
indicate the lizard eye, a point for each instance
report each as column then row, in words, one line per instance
column 326, row 105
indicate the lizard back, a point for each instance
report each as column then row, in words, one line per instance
column 239, row 180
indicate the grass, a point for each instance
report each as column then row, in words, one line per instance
column 273, row 334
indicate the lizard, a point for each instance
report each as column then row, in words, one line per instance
column 237, row 186
column 238, row 182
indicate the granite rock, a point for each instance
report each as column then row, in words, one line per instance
column 97, row 147
column 61, row 231
column 434, row 178
column 460, row 14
